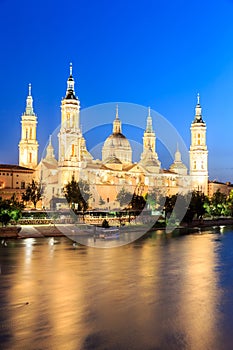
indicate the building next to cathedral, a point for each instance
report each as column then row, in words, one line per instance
column 116, row 170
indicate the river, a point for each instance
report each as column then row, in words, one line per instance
column 161, row 292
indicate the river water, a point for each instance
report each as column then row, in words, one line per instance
column 158, row 293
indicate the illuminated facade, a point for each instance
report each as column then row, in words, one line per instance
column 198, row 152
column 13, row 180
column 116, row 170
column 28, row 145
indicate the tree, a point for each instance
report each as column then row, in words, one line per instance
column 137, row 202
column 10, row 209
column 169, row 205
column 217, row 204
column 154, row 199
column 77, row 193
column 32, row 194
column 197, row 206
column 230, row 203
column 124, row 197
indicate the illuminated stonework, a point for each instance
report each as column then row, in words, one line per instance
column 116, row 145
column 198, row 152
column 116, row 170
column 28, row 146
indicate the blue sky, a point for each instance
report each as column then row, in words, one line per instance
column 154, row 53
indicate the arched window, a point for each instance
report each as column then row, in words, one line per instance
column 30, row 157
column 194, row 165
column 30, row 134
column 26, row 134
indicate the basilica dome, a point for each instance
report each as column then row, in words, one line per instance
column 116, row 146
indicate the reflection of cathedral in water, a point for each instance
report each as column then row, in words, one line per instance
column 116, row 170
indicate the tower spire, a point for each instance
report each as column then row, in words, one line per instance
column 50, row 150
column 117, row 123
column 149, row 127
column 70, row 93
column 29, row 102
column 198, row 113
column 71, row 68
column 117, row 112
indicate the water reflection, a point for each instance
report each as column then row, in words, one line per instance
column 157, row 293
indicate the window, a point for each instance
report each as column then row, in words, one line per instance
column 22, row 185
column 107, row 200
column 72, row 151
column 26, row 134
column 194, row 164
column 68, row 120
column 30, row 136
column 30, row 157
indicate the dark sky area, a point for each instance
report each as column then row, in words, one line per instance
column 154, row 53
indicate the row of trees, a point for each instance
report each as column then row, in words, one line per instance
column 194, row 205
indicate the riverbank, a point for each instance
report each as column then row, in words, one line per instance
column 43, row 231
column 209, row 223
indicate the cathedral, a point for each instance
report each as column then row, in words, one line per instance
column 116, row 170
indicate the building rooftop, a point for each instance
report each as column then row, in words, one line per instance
column 14, row 167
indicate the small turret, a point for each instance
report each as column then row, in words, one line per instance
column 117, row 123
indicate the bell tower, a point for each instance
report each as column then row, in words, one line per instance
column 69, row 135
column 198, row 152
column 28, row 145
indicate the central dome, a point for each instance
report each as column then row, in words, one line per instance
column 117, row 145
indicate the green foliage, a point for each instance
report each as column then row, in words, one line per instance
column 124, row 197
column 154, row 199
column 10, row 209
column 177, row 204
column 230, row 203
column 32, row 194
column 77, row 193
column 220, row 204
column 197, row 206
